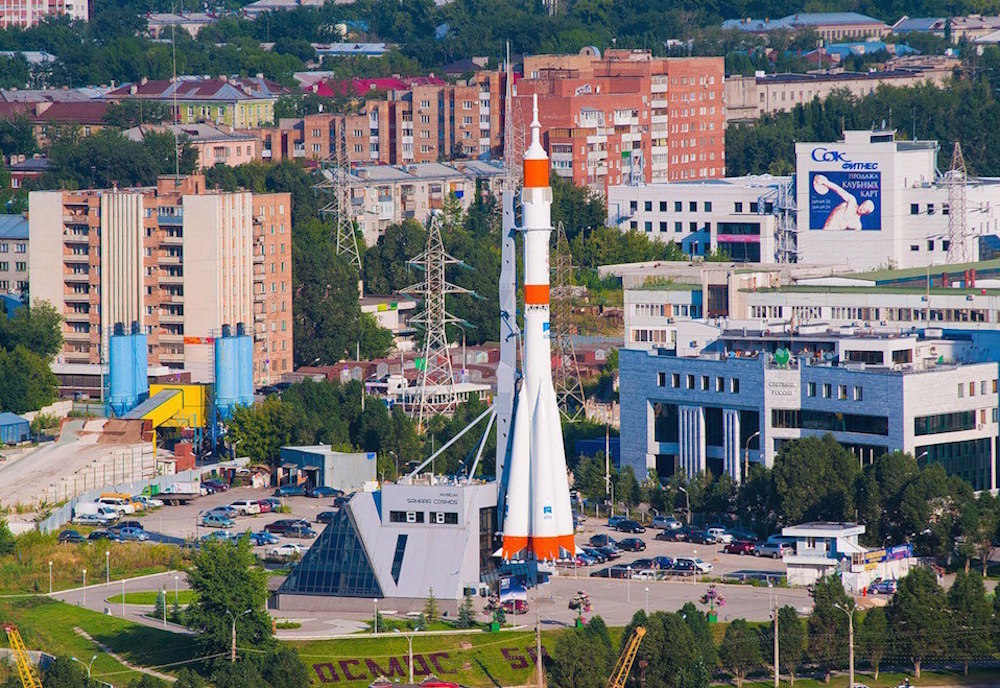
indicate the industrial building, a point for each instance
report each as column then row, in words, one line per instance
column 745, row 393
column 132, row 255
column 319, row 465
column 870, row 201
column 13, row 428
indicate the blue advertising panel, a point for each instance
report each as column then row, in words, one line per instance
column 845, row 200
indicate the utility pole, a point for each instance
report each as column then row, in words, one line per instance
column 776, row 670
column 850, row 643
column 538, row 646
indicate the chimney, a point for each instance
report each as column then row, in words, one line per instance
column 42, row 107
column 143, row 81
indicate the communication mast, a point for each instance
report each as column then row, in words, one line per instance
column 957, row 179
column 436, row 386
column 337, row 183
column 569, row 389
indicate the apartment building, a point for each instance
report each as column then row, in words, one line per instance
column 13, row 254
column 627, row 117
column 131, row 255
column 749, row 97
column 25, row 13
column 831, row 26
column 214, row 146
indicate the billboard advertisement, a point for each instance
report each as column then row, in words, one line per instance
column 845, row 200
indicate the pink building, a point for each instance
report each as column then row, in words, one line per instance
column 25, row 13
column 214, row 145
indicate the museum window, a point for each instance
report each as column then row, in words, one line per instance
column 859, row 394
column 842, row 392
column 397, row 558
column 914, row 209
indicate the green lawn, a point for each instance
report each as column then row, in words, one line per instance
column 49, row 625
column 149, row 597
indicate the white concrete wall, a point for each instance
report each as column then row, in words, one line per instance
column 45, row 262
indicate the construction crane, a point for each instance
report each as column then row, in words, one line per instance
column 624, row 665
column 26, row 670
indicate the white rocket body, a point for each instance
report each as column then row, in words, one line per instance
column 538, row 523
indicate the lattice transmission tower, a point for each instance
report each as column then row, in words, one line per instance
column 569, row 388
column 436, row 386
column 958, row 229
column 337, row 184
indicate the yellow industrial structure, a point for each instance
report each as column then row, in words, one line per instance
column 25, row 669
column 624, row 665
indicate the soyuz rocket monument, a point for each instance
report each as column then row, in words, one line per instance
column 537, row 520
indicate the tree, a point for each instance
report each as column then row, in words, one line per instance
column 918, row 617
column 189, row 679
column 375, row 341
column 466, row 612
column 431, row 611
column 814, row 480
column 697, row 621
column 672, row 654
column 65, row 673
column 227, row 582
column 147, row 681
column 791, row 640
column 739, row 652
column 978, row 524
column 827, row 645
column 973, row 616
column 582, row 657
column 873, row 637
column 17, row 136
column 283, row 668
column 134, row 112
column 26, row 382
column 262, row 429
column 7, row 541
column 37, row 327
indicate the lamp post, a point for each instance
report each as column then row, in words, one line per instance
column 177, row 594
column 746, row 455
column 409, row 642
column 628, row 584
column 687, row 503
column 50, row 577
column 232, row 649
column 645, row 607
column 91, row 664
column 375, row 625
column 85, row 587
column 123, row 598
column 850, row 643
column 107, row 568
column 164, row 606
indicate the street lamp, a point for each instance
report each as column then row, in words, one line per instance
column 107, row 567
column 232, row 650
column 85, row 587
column 164, row 606
column 86, row 665
column 628, row 584
column 375, row 626
column 177, row 594
column 850, row 642
column 50, row 577
column 687, row 503
column 646, row 606
column 746, row 455
column 409, row 642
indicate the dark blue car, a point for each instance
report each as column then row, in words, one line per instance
column 289, row 491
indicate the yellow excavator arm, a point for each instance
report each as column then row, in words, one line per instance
column 25, row 668
column 625, row 661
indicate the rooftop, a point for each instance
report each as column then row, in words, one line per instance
column 839, row 76
column 795, row 21
column 200, row 88
column 13, row 227
column 197, row 133
column 899, row 274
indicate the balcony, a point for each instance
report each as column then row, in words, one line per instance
column 170, row 260
column 171, row 356
column 258, row 275
column 258, row 258
column 166, row 278
column 72, row 336
column 176, row 220
column 76, row 277
column 171, row 337
column 72, row 296
column 169, row 240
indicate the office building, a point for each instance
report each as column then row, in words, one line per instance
column 741, row 397
column 869, row 201
column 176, row 258
column 27, row 13
column 628, row 117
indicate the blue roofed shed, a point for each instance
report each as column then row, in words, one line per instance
column 13, row 428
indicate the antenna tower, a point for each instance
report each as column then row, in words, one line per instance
column 569, row 389
column 337, row 170
column 436, row 387
column 958, row 229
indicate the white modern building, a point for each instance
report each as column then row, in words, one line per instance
column 869, row 200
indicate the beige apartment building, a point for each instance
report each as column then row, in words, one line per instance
column 179, row 259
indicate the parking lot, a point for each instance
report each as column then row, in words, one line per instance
column 723, row 564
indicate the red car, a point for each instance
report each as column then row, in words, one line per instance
column 265, row 506
column 739, row 547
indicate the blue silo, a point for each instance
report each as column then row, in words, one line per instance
column 244, row 373
column 226, row 383
column 140, row 363
column 121, row 387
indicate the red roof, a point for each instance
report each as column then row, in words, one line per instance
column 73, row 113
column 359, row 87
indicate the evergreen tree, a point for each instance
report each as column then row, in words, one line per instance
column 828, row 624
column 739, row 652
column 973, row 616
column 7, row 540
column 873, row 637
column 431, row 611
column 466, row 612
column 918, row 616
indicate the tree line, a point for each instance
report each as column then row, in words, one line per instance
column 922, row 624
column 30, row 338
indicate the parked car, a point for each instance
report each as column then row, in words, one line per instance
column 632, row 545
column 883, row 587
column 103, row 535
column 595, row 554
column 698, row 565
column 281, row 525
column 290, row 491
column 299, row 530
column 215, row 485
column 630, row 526
column 224, row 510
column 272, row 504
column 616, row 571
column 666, row 523
column 341, row 501
column 89, row 520
column 641, row 564
column 246, row 507
column 127, row 524
column 322, row 492
column 775, row 550
column 662, row 563
column 288, row 549
column 683, row 567
column 148, row 502
column 610, row 551
column 601, row 540
column 70, row 537
column 264, row 506
column 720, row 534
column 122, row 506
column 701, row 537
column 216, row 520
column 325, row 516
column 740, row 547
column 220, row 535
column 743, row 534
column 515, row 606
column 613, row 521
column 262, row 537
column 582, row 560
column 676, row 535
column 133, row 535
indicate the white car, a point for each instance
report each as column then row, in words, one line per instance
column 720, row 535
column 120, row 505
column 702, row 566
column 289, row 549
column 148, row 502
column 246, row 507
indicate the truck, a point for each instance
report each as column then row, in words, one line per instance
column 180, row 492
column 106, row 513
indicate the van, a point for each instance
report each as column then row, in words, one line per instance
column 123, row 507
column 127, row 498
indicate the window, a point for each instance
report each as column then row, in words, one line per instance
column 811, row 389
column 930, row 208
column 633, row 206
column 720, row 384
column 704, row 383
column 708, row 206
column 675, row 380
column 734, row 385
column 914, row 209
column 663, row 226
column 961, row 390
column 930, row 244
column 648, row 226
column 678, row 226
column 648, row 206
column 20, row 266
column 663, row 206
column 914, row 247
column 444, row 517
column 661, row 379
column 826, row 390
column 690, row 382
column 944, row 422
column 397, row 558
column 738, row 207
column 678, row 207
column 406, row 516
column 809, row 419
column 693, row 206
column 859, row 394
column 972, row 389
